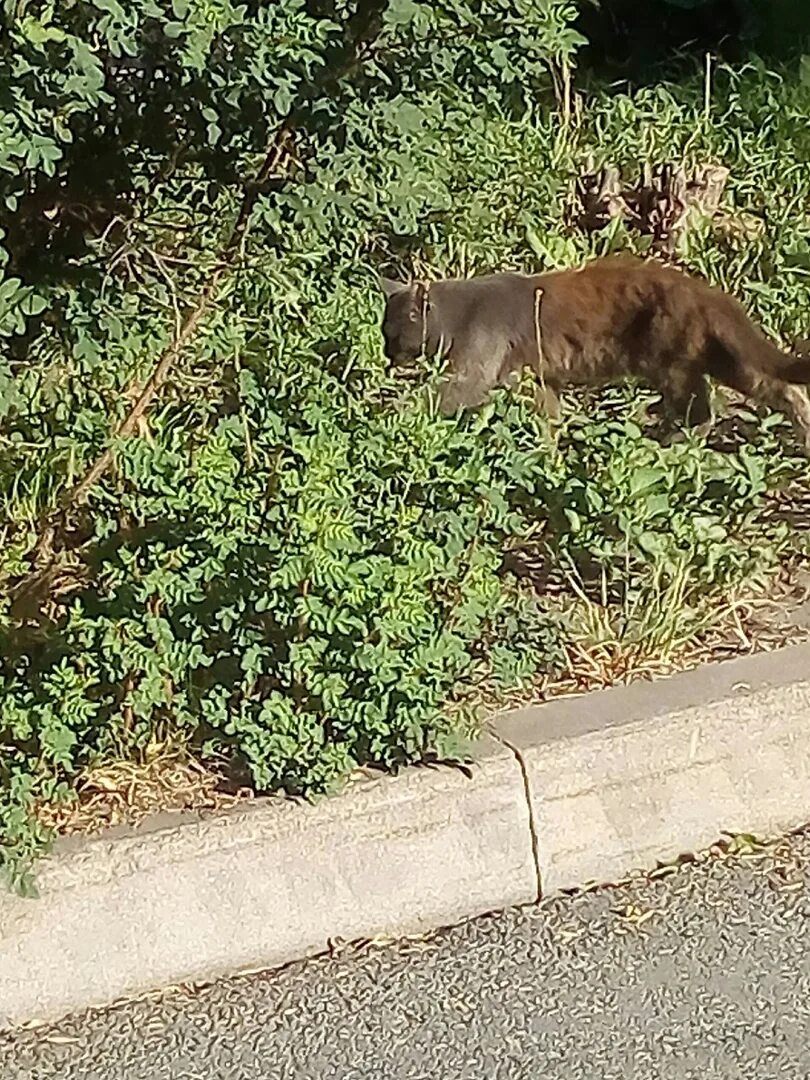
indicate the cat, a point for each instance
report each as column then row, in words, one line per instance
column 613, row 319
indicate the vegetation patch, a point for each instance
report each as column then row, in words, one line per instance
column 228, row 533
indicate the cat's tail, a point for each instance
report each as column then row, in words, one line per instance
column 751, row 350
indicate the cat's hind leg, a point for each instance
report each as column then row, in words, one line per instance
column 796, row 404
column 785, row 397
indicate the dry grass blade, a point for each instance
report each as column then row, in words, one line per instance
column 126, row 792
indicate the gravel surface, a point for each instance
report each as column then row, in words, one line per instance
column 702, row 973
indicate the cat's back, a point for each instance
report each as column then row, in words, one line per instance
column 482, row 287
column 492, row 299
column 613, row 272
column 593, row 293
column 604, row 288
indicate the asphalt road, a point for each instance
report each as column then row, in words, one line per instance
column 703, row 973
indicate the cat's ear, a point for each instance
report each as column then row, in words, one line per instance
column 391, row 288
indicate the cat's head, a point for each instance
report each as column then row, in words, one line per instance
column 403, row 325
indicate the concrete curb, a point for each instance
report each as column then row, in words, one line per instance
column 560, row 796
column 637, row 775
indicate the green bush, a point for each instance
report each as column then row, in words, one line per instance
column 293, row 561
column 281, row 563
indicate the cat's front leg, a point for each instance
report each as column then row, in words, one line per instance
column 546, row 401
column 473, row 371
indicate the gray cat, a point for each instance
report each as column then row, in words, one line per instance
column 614, row 319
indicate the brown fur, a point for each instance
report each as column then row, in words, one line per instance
column 613, row 319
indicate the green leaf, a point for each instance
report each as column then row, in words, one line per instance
column 645, row 478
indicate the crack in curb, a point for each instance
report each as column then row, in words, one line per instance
column 527, row 794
